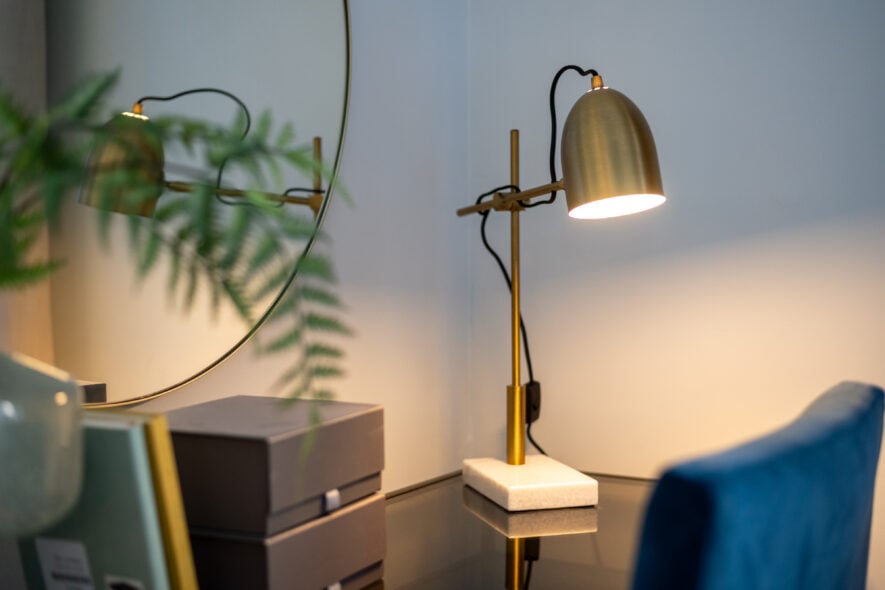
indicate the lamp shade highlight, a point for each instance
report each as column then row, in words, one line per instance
column 609, row 161
column 125, row 169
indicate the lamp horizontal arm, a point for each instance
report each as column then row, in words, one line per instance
column 504, row 202
column 314, row 201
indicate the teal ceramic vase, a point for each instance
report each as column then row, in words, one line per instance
column 41, row 445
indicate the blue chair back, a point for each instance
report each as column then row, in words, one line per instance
column 789, row 511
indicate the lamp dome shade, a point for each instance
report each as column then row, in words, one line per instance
column 609, row 161
column 125, row 169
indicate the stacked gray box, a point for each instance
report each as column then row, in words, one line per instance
column 282, row 495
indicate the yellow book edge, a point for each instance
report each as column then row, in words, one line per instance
column 167, row 489
column 167, row 494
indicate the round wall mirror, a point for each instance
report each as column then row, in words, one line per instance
column 286, row 57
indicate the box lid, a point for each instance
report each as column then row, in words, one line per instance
column 260, row 465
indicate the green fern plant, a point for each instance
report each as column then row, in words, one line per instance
column 243, row 253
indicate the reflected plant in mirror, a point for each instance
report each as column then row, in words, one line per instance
column 214, row 242
column 162, row 48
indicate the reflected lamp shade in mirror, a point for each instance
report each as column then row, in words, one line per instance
column 125, row 169
column 609, row 161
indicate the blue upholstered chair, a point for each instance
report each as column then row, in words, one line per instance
column 789, row 511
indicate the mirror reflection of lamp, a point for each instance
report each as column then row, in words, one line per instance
column 610, row 168
column 126, row 168
column 126, row 174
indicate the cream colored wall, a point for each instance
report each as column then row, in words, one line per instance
column 759, row 285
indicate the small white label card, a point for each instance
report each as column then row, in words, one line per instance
column 64, row 564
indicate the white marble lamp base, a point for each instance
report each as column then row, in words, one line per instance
column 540, row 483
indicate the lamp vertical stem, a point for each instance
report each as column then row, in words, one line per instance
column 318, row 158
column 515, row 393
column 514, row 575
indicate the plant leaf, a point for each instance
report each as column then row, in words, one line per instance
column 85, row 98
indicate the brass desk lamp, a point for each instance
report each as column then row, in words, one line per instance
column 610, row 168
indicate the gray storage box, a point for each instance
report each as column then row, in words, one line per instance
column 257, row 465
column 346, row 547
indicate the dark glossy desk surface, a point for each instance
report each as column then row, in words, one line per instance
column 434, row 540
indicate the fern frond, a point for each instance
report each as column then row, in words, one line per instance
column 234, row 241
column 262, row 129
column 273, row 282
column 285, row 136
column 318, row 295
column 24, row 276
column 317, row 266
column 322, row 351
column 13, row 120
column 148, row 254
column 287, row 340
column 325, row 323
column 240, row 301
column 83, row 101
column 193, row 275
column 175, row 257
column 268, row 246
column 242, row 255
column 325, row 372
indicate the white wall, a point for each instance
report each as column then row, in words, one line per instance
column 400, row 251
column 758, row 286
column 709, row 320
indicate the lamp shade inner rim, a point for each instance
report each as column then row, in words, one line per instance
column 617, row 206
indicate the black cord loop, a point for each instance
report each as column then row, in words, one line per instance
column 313, row 191
column 553, row 123
column 230, row 95
column 488, row 246
column 233, row 97
column 552, row 198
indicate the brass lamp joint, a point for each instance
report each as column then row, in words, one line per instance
column 503, row 203
column 596, row 82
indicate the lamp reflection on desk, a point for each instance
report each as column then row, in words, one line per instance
column 610, row 168
column 523, row 532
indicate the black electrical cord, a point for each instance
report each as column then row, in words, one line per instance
column 528, row 575
column 522, row 330
column 233, row 97
column 295, row 189
column 552, row 159
column 528, row 435
column 485, row 241
column 531, row 554
column 550, row 199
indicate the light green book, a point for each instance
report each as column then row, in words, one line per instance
column 113, row 538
